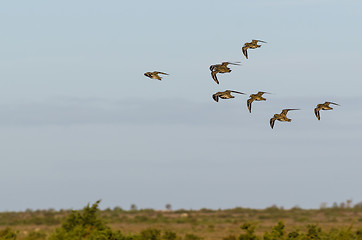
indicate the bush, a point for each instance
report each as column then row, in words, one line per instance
column 7, row 233
column 277, row 232
column 313, row 231
column 168, row 235
column 250, row 232
column 85, row 224
column 151, row 234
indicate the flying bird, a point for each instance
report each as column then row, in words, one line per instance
column 220, row 68
column 154, row 75
column 255, row 97
column 253, row 44
column 323, row 106
column 224, row 95
column 281, row 117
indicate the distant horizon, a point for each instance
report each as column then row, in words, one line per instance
column 323, row 205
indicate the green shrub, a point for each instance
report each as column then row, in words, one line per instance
column 250, row 232
column 277, row 233
column 7, row 233
column 293, row 235
column 359, row 234
column 313, row 231
column 168, row 235
column 85, row 224
column 151, row 234
column 342, row 234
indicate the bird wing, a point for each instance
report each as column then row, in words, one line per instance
column 225, row 64
column 272, row 121
column 245, row 51
column 285, row 111
column 316, row 112
column 256, row 41
column 161, row 73
column 212, row 67
column 332, row 103
column 235, row 92
column 248, row 103
column 215, row 97
column 235, row 63
column 261, row 93
column 213, row 75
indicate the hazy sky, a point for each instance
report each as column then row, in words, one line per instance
column 79, row 121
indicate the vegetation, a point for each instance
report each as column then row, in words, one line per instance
column 85, row 225
column 7, row 233
column 342, row 221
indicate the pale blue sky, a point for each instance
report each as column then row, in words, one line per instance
column 79, row 121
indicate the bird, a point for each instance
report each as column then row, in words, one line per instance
column 323, row 106
column 255, row 97
column 154, row 75
column 253, row 44
column 220, row 68
column 281, row 117
column 224, row 95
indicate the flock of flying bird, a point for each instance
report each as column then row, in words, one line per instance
column 223, row 68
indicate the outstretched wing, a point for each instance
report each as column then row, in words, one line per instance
column 215, row 97
column 272, row 121
column 212, row 67
column 256, row 41
column 332, row 103
column 248, row 103
column 161, row 73
column 245, row 51
column 213, row 75
column 235, row 92
column 234, row 63
column 316, row 112
column 148, row 74
column 285, row 111
column 261, row 93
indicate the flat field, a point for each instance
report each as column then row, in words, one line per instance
column 204, row 223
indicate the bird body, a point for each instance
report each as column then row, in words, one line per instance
column 224, row 95
column 220, row 68
column 323, row 106
column 253, row 44
column 281, row 117
column 255, row 97
column 154, row 75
